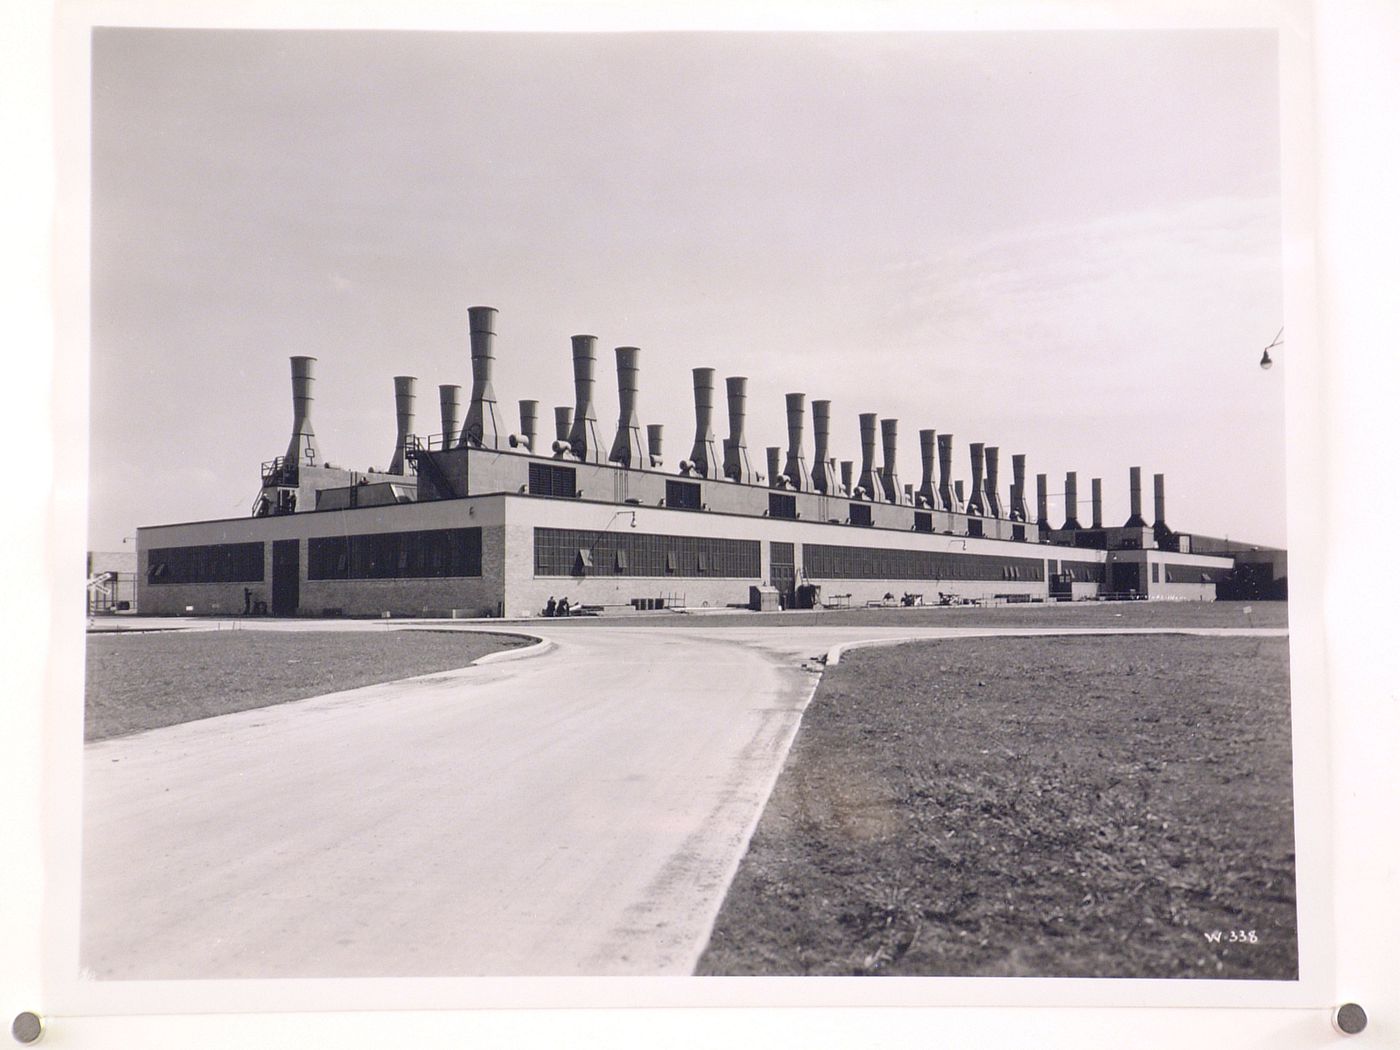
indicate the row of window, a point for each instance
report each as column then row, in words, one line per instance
column 831, row 562
column 422, row 554
column 582, row 552
column 213, row 563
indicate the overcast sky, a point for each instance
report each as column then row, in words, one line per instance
column 1063, row 244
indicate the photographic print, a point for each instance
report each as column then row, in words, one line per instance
column 687, row 504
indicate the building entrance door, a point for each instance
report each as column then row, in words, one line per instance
column 782, row 571
column 286, row 577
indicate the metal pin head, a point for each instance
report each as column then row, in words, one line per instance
column 29, row 1027
column 1349, row 1019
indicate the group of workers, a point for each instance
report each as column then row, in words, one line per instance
column 559, row 608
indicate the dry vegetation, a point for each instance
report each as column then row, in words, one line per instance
column 143, row 680
column 1029, row 807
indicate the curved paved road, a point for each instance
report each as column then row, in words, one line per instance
column 578, row 811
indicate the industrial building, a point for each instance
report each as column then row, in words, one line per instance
column 475, row 520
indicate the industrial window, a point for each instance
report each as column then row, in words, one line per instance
column 831, row 562
column 422, row 554
column 1083, row 571
column 215, row 563
column 974, row 527
column 782, row 505
column 1018, row 533
column 923, row 521
column 860, row 514
column 1178, row 572
column 565, row 552
column 1156, row 572
column 549, row 480
column 683, row 494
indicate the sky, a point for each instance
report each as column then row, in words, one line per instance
column 1065, row 244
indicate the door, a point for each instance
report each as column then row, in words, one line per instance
column 782, row 571
column 286, row 577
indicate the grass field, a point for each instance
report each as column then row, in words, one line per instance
column 1029, row 807
column 1068, row 614
column 143, row 680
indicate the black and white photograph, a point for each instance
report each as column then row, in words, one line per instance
column 715, row 505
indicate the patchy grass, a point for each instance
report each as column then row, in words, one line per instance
column 1053, row 807
column 1052, row 614
column 144, row 680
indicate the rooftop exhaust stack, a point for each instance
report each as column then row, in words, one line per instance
column 1042, row 501
column 654, row 431
column 302, row 449
column 1161, row 531
column 1072, row 501
column 796, row 466
column 776, row 480
column 704, row 460
column 993, row 501
column 482, row 428
column 947, row 495
column 848, row 471
column 627, row 446
column 583, row 435
column 1135, row 500
column 563, row 424
column 889, row 473
column 928, row 464
column 403, row 412
column 823, row 477
column 974, row 498
column 1017, row 511
column 1096, row 501
column 736, row 451
column 869, row 480
column 449, row 400
column 529, row 414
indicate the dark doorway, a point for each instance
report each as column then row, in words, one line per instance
column 1127, row 578
column 286, row 577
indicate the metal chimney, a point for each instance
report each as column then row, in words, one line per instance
column 529, row 414
column 704, row 460
column 736, row 451
column 1135, row 520
column 1072, row 501
column 889, row 472
column 1017, row 511
column 993, row 501
column 627, row 446
column 563, row 424
column 1159, row 501
column 848, row 471
column 796, row 465
column 302, row 449
column 1042, row 501
column 449, row 400
column 869, row 480
column 947, row 495
column 654, row 431
column 1096, row 502
column 482, row 427
column 928, row 467
column 583, row 435
column 403, row 411
column 823, row 478
column 975, row 503
column 775, row 467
